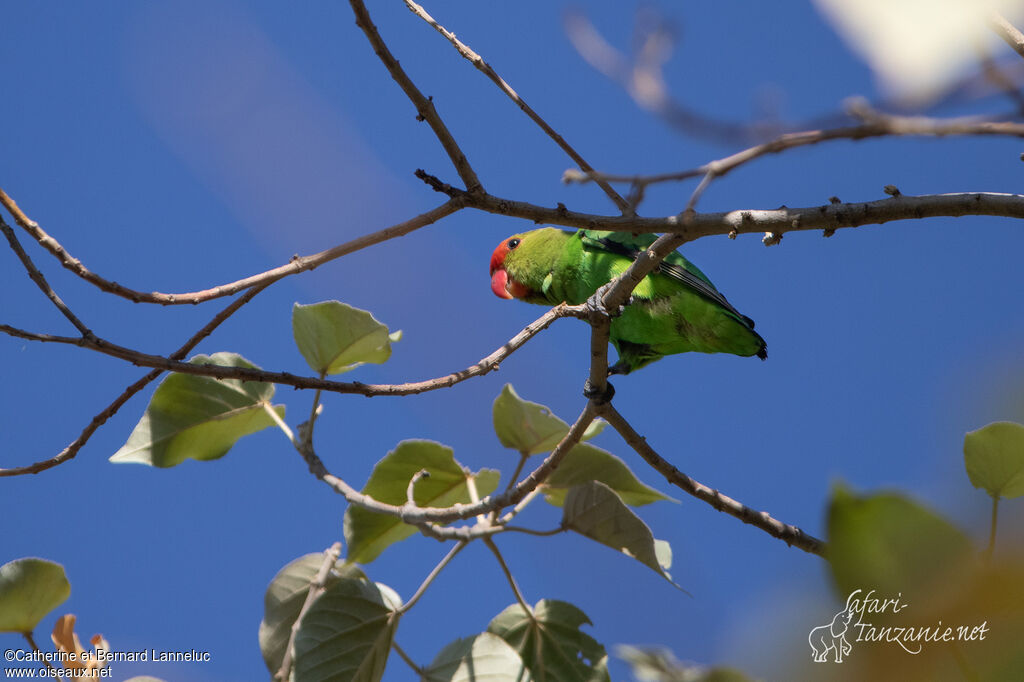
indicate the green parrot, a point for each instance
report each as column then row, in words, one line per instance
column 675, row 309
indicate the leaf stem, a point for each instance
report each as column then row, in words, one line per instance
column 508, row 574
column 32, row 643
column 280, row 422
column 430, row 578
column 405, row 657
column 316, row 588
column 992, row 529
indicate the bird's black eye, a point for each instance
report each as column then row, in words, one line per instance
column 513, row 243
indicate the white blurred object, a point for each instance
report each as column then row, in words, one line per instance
column 918, row 47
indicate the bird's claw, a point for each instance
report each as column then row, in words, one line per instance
column 595, row 304
column 600, row 397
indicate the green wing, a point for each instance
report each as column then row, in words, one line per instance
column 674, row 266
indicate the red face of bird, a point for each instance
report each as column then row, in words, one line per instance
column 502, row 284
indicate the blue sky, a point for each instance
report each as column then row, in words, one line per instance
column 176, row 147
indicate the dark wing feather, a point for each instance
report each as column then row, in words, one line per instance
column 676, row 272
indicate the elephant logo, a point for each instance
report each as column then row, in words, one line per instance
column 832, row 637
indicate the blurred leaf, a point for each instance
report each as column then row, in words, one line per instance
column 551, row 642
column 76, row 656
column 588, row 463
column 368, row 533
column 661, row 665
column 484, row 657
column 531, row 427
column 891, row 544
column 917, row 47
column 334, row 337
column 29, row 589
column 345, row 635
column 594, row 510
column 994, row 457
column 284, row 599
column 198, row 417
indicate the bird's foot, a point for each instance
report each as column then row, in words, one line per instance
column 595, row 304
column 599, row 396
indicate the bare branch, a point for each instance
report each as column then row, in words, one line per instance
column 424, row 105
column 1008, row 32
column 874, row 124
column 488, row 364
column 40, row 280
column 485, row 68
column 791, row 535
column 424, row 517
column 642, row 79
column 110, row 410
column 748, row 221
column 295, row 266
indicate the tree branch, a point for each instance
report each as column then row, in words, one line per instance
column 484, row 366
column 874, row 124
column 295, row 266
column 1008, row 32
column 485, row 68
column 40, row 280
column 791, row 535
column 110, row 410
column 424, row 106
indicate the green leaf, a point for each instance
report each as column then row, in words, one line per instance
column 594, row 510
column 284, row 599
column 482, row 658
column 661, row 665
column 994, row 457
column 531, row 427
column 346, row 634
column 368, row 533
column 198, row 417
column 551, row 642
column 334, row 337
column 29, row 589
column 588, row 463
column 891, row 544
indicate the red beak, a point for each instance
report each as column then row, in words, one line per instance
column 499, row 283
column 499, row 278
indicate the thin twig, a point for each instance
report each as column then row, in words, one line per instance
column 405, row 657
column 791, row 535
column 459, row 546
column 485, row 68
column 418, row 516
column 110, row 410
column 36, row 276
column 508, row 575
column 410, row 490
column 294, row 266
column 1008, row 32
column 873, row 124
column 488, row 364
column 424, row 105
column 316, row 588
